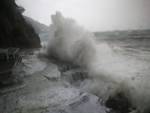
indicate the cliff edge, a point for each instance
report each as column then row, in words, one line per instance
column 14, row 30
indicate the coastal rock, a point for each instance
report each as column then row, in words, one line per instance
column 14, row 30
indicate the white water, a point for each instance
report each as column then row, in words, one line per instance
column 110, row 71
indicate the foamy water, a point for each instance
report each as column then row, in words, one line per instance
column 111, row 72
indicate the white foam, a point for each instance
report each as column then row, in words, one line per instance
column 111, row 72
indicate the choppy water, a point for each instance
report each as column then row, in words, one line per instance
column 66, row 77
column 111, row 65
column 111, row 69
column 132, row 51
column 137, row 53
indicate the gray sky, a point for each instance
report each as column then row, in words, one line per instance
column 95, row 15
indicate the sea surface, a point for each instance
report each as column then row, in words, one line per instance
column 55, row 86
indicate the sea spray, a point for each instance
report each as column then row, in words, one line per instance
column 67, row 41
column 70, row 42
column 111, row 73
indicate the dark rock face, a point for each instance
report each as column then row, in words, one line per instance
column 14, row 31
column 119, row 104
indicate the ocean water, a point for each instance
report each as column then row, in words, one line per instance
column 136, row 52
column 114, row 62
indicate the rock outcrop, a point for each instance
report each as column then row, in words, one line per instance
column 14, row 30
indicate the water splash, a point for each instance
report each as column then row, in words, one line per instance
column 111, row 72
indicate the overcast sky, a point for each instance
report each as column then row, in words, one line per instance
column 95, row 15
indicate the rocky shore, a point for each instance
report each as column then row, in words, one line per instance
column 48, row 89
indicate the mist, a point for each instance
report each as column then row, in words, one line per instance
column 111, row 73
column 55, row 59
column 94, row 15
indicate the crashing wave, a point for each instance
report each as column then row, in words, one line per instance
column 111, row 73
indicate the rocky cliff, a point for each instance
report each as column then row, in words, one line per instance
column 14, row 30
